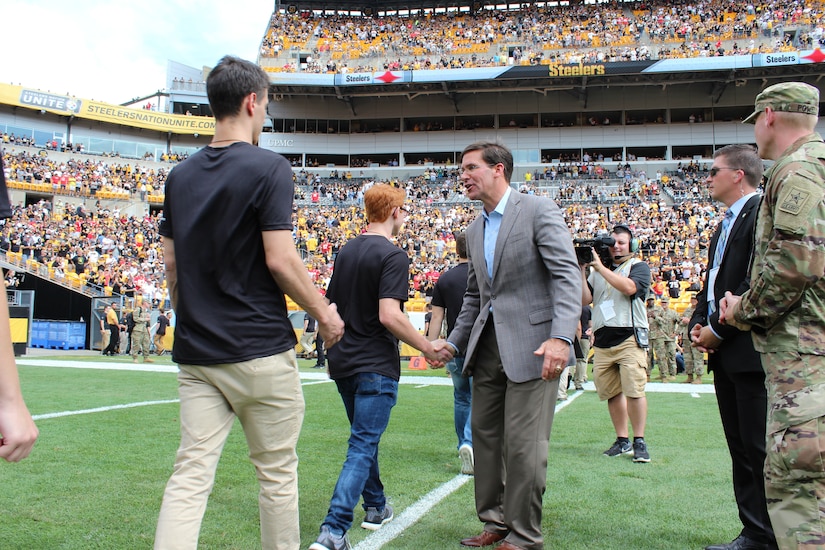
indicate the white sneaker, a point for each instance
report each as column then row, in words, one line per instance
column 465, row 453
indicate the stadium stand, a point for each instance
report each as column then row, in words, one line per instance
column 618, row 146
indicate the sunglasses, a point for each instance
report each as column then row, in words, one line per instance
column 716, row 170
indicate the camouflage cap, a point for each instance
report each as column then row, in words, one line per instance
column 664, row 299
column 790, row 97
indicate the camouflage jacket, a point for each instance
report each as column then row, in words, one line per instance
column 785, row 305
column 663, row 323
column 141, row 317
column 687, row 313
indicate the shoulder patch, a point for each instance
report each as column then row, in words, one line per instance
column 793, row 202
column 796, row 202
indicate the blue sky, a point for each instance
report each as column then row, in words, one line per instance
column 115, row 51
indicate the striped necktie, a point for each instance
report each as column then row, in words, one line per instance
column 723, row 238
column 720, row 251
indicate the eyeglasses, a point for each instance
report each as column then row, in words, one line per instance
column 715, row 170
column 404, row 209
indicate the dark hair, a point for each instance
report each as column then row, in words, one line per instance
column 622, row 228
column 461, row 244
column 230, row 82
column 743, row 157
column 493, row 153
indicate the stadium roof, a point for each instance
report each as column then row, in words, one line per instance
column 378, row 6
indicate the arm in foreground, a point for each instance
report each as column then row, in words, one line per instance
column 17, row 430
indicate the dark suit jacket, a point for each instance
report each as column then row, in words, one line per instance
column 736, row 353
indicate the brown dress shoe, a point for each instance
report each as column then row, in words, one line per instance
column 509, row 546
column 484, row 539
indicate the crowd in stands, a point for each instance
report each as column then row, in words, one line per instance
column 83, row 176
column 122, row 254
column 535, row 35
column 103, row 248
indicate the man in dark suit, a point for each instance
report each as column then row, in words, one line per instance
column 517, row 323
column 738, row 375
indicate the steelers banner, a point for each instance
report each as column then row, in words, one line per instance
column 104, row 112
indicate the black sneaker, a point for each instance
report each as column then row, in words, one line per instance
column 619, row 448
column 375, row 518
column 328, row 541
column 640, row 453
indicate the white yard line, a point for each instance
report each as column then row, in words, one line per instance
column 104, row 409
column 411, row 515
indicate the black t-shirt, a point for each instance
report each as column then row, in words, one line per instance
column 449, row 292
column 607, row 337
column 310, row 322
column 367, row 269
column 218, row 202
column 163, row 322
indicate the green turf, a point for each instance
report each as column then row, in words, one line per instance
column 96, row 480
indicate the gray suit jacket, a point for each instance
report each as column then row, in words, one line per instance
column 535, row 292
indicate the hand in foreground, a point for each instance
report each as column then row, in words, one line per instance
column 17, row 430
column 443, row 354
column 555, row 352
column 728, row 306
column 332, row 330
column 596, row 263
column 703, row 339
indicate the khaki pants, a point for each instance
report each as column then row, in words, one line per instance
column 158, row 341
column 266, row 395
column 308, row 342
column 105, row 336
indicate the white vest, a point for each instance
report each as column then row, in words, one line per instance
column 604, row 294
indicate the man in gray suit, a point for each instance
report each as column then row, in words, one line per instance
column 516, row 326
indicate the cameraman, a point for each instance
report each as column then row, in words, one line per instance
column 620, row 338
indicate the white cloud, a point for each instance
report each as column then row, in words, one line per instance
column 113, row 52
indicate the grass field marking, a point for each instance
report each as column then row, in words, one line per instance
column 411, row 515
column 694, row 394
column 415, row 512
column 104, row 365
column 104, row 409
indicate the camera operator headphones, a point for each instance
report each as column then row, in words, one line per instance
column 634, row 242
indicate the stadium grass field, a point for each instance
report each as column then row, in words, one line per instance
column 95, row 480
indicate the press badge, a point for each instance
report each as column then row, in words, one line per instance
column 712, row 284
column 607, row 310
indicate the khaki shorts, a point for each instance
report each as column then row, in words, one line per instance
column 620, row 369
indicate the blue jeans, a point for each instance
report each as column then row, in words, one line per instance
column 368, row 399
column 462, row 400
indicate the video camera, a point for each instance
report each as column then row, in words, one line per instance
column 601, row 244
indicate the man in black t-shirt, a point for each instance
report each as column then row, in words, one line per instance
column 160, row 331
column 448, row 296
column 580, row 376
column 369, row 286
column 308, row 336
column 230, row 258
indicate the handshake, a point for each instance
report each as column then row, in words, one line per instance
column 438, row 354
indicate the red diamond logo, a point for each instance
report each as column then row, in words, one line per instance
column 388, row 77
column 816, row 57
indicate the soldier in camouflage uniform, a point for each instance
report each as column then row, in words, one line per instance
column 663, row 323
column 785, row 309
column 694, row 359
column 140, row 334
